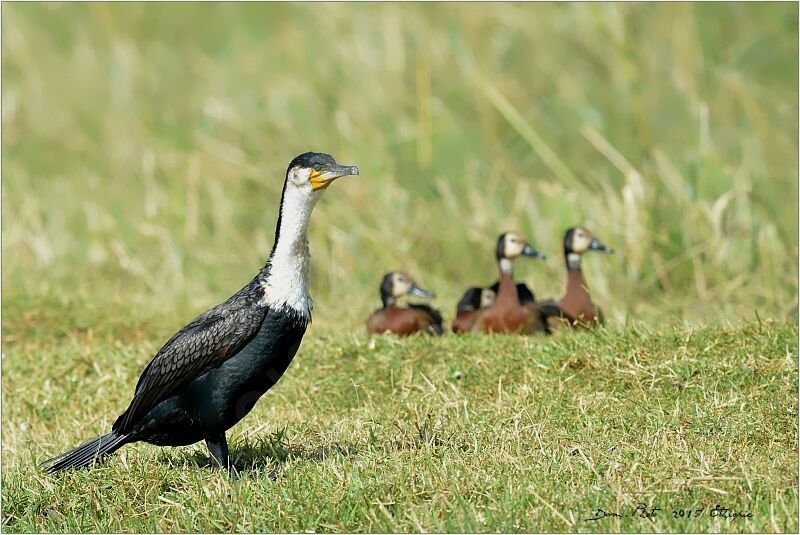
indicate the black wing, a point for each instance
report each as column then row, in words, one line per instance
column 471, row 300
column 205, row 343
column 436, row 317
column 549, row 308
column 524, row 294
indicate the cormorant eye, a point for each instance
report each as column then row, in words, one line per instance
column 317, row 167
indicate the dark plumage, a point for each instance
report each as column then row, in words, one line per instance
column 209, row 375
column 469, row 307
column 436, row 325
column 524, row 293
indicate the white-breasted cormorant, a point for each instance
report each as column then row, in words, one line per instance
column 209, row 375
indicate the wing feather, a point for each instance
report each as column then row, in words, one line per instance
column 203, row 344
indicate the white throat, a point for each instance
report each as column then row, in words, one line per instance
column 506, row 266
column 573, row 261
column 287, row 282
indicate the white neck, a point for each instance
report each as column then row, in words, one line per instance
column 506, row 266
column 287, row 282
column 573, row 261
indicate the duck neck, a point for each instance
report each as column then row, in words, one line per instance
column 287, row 269
column 388, row 301
column 506, row 267
column 573, row 261
column 575, row 282
column 507, row 291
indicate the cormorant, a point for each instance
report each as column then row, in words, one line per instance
column 209, row 375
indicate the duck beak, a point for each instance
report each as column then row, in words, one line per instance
column 531, row 252
column 597, row 245
column 419, row 292
column 324, row 178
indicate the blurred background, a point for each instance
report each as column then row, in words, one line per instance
column 144, row 149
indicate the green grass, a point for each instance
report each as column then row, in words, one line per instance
column 143, row 153
column 379, row 434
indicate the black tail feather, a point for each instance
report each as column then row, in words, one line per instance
column 549, row 308
column 437, row 322
column 86, row 454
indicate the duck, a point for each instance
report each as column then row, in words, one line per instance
column 415, row 318
column 469, row 306
column 476, row 299
column 209, row 375
column 577, row 306
column 509, row 312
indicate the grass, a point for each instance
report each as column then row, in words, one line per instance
column 384, row 435
column 144, row 158
column 143, row 152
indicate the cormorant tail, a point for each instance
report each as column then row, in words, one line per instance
column 86, row 454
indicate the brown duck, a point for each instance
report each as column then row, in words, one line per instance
column 509, row 312
column 469, row 307
column 403, row 321
column 577, row 306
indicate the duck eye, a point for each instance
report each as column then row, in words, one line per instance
column 317, row 167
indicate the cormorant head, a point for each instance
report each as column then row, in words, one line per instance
column 315, row 171
column 578, row 240
column 510, row 245
column 396, row 284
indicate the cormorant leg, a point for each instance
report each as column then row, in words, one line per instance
column 218, row 448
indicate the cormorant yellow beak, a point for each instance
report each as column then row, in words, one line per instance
column 324, row 177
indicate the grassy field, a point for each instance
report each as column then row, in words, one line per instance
column 143, row 154
column 494, row 433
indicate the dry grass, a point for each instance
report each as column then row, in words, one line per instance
column 144, row 157
column 382, row 435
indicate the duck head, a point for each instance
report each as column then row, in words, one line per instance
column 397, row 284
column 510, row 246
column 578, row 240
column 487, row 297
column 475, row 299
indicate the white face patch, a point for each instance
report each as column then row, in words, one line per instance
column 513, row 245
column 287, row 282
column 299, row 176
column 401, row 284
column 581, row 239
column 487, row 297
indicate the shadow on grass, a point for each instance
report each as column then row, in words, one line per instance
column 271, row 452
